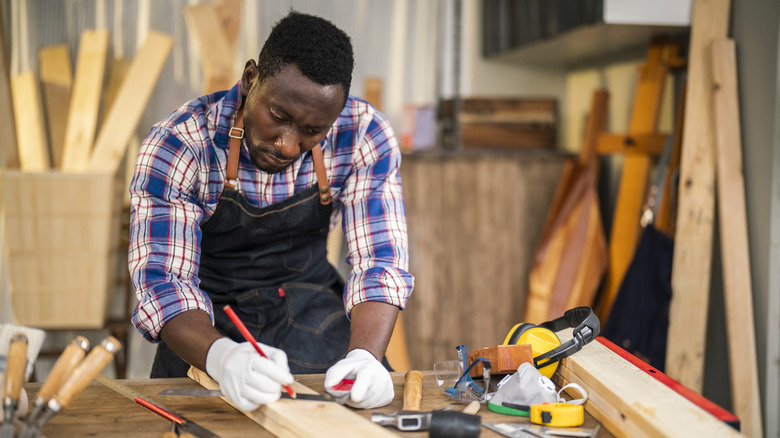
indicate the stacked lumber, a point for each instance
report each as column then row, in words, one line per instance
column 62, row 201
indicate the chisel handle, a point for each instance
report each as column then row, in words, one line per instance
column 412, row 390
column 17, row 363
column 91, row 366
column 66, row 363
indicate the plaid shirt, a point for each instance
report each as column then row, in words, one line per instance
column 179, row 175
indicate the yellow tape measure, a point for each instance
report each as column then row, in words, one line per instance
column 557, row 414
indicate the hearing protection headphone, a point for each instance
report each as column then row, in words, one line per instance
column 546, row 347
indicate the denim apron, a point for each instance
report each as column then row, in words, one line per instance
column 269, row 264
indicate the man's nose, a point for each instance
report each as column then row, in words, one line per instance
column 288, row 144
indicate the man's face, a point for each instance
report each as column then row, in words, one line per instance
column 286, row 115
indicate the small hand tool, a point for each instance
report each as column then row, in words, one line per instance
column 91, row 366
column 198, row 392
column 520, row 430
column 248, row 336
column 66, row 363
column 183, row 425
column 14, row 378
column 440, row 424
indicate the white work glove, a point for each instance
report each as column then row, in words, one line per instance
column 373, row 387
column 247, row 379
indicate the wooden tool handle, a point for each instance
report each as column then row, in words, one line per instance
column 66, row 363
column 17, row 363
column 412, row 390
column 93, row 364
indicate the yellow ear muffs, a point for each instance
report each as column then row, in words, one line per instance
column 541, row 340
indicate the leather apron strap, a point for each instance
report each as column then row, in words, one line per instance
column 236, row 134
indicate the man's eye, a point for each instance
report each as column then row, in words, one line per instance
column 276, row 117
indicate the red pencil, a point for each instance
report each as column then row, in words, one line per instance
column 248, row 336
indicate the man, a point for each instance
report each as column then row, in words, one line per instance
column 232, row 199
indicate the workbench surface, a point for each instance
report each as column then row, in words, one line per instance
column 99, row 411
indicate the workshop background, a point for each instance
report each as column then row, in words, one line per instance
column 490, row 100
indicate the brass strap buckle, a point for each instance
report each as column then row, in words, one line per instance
column 239, row 135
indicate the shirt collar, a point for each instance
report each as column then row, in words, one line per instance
column 226, row 110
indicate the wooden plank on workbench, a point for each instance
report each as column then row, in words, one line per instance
column 213, row 46
column 85, row 100
column 304, row 418
column 687, row 335
column 30, row 130
column 631, row 403
column 56, row 77
column 130, row 103
column 734, row 240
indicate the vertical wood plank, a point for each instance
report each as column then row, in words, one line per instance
column 10, row 154
column 56, row 76
column 213, row 45
column 738, row 289
column 85, row 100
column 30, row 130
column 112, row 140
column 696, row 203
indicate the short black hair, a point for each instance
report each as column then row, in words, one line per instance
column 322, row 51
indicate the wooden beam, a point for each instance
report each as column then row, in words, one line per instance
column 687, row 335
column 735, row 256
column 213, row 45
column 300, row 418
column 30, row 130
column 55, row 72
column 645, row 144
column 130, row 103
column 630, row 402
column 571, row 258
column 85, row 100
column 664, row 220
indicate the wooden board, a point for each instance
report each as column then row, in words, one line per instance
column 687, row 335
column 631, row 403
column 229, row 13
column 55, row 72
column 130, row 103
column 213, row 45
column 570, row 259
column 30, row 129
column 10, row 155
column 85, row 100
column 735, row 255
column 296, row 418
column 646, row 144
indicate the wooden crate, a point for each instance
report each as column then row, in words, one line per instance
column 62, row 238
column 498, row 123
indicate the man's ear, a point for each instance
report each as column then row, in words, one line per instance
column 248, row 77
